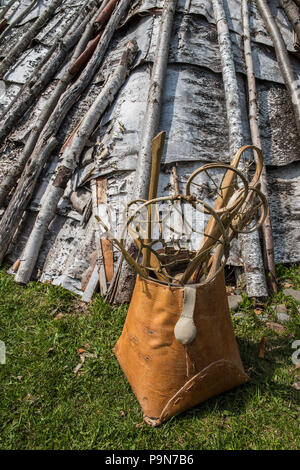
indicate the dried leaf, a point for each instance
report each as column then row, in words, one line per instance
column 296, row 385
column 58, row 316
column 80, row 351
column 258, row 311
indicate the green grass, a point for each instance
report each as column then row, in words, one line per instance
column 44, row 405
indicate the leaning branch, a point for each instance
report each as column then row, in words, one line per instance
column 154, row 101
column 5, row 9
column 68, row 163
column 283, row 59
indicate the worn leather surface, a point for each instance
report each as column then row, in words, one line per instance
column 166, row 376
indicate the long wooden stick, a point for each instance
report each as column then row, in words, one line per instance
column 68, row 163
column 18, row 203
column 25, row 40
column 256, row 140
column 251, row 251
column 283, row 59
column 292, row 12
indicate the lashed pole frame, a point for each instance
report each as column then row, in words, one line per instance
column 256, row 140
column 123, row 282
column 250, row 244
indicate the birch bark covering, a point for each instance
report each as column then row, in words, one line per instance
column 6, row 7
column 33, row 89
column 256, row 140
column 292, row 12
column 252, row 258
column 291, row 82
column 68, row 163
column 17, row 205
column 28, row 36
column 13, row 176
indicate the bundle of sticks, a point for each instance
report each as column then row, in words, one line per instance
column 164, row 242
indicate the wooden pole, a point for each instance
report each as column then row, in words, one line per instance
column 68, row 163
column 256, row 140
column 251, row 251
column 6, row 7
column 283, row 59
column 19, row 18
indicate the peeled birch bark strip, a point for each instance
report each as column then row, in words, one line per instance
column 6, row 7
column 16, row 207
column 68, row 163
column 25, row 40
column 19, row 18
column 256, row 140
column 251, row 250
column 126, row 277
column 291, row 82
column 292, row 12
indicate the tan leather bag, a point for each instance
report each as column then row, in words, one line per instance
column 168, row 376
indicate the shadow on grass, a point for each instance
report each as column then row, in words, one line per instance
column 262, row 382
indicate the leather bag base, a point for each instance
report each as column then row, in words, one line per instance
column 166, row 376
